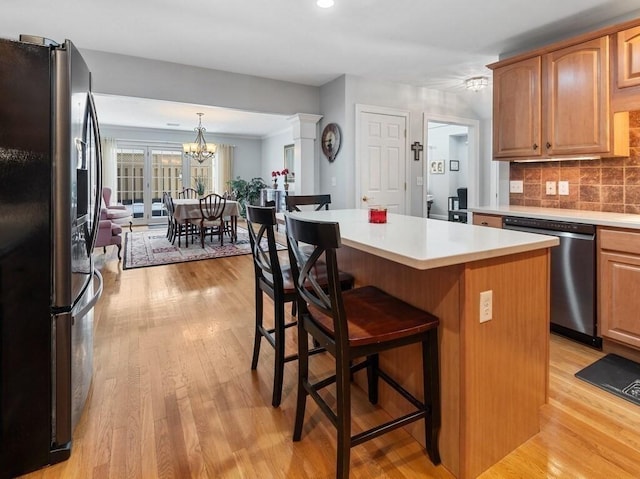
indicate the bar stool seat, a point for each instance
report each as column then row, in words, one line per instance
column 352, row 325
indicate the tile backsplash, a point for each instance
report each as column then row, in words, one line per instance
column 611, row 184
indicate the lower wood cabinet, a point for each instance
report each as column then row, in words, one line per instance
column 482, row 219
column 619, row 291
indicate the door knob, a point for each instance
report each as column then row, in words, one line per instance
column 365, row 199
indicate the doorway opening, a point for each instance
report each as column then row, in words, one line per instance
column 451, row 166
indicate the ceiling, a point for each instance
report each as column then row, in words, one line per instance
column 435, row 44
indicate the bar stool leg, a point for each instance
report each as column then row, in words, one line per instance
column 343, row 393
column 278, row 375
column 431, row 380
column 303, row 378
column 372, row 378
column 258, row 334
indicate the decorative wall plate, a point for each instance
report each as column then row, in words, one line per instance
column 331, row 141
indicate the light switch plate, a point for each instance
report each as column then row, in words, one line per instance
column 551, row 188
column 563, row 188
column 419, row 181
column 516, row 186
column 486, row 306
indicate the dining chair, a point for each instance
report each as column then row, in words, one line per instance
column 188, row 193
column 212, row 207
column 179, row 229
column 168, row 206
column 351, row 325
column 317, row 202
column 273, row 278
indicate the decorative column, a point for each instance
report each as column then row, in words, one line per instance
column 304, row 138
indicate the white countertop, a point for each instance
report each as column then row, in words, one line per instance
column 618, row 220
column 427, row 243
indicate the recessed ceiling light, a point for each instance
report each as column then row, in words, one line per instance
column 325, row 3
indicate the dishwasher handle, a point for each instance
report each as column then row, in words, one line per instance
column 562, row 234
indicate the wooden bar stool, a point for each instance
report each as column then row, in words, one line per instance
column 274, row 279
column 355, row 324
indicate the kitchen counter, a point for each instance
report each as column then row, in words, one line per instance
column 600, row 218
column 442, row 267
column 424, row 243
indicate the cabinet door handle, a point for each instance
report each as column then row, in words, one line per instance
column 548, row 145
column 484, row 223
column 535, row 146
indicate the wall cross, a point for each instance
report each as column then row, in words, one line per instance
column 417, row 148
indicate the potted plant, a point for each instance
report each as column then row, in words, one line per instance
column 200, row 184
column 246, row 192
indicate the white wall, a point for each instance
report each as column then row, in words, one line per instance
column 332, row 99
column 272, row 152
column 144, row 78
column 415, row 100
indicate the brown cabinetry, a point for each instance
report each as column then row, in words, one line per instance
column 628, row 58
column 626, row 69
column 482, row 219
column 619, row 258
column 517, row 109
column 576, row 93
column 557, row 104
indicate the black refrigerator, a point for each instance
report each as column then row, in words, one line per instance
column 50, row 190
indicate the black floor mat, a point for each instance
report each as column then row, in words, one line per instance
column 615, row 374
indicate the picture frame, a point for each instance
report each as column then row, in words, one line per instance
column 436, row 167
column 454, row 165
column 289, row 161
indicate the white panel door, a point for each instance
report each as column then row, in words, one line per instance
column 383, row 161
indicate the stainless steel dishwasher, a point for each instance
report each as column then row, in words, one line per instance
column 573, row 276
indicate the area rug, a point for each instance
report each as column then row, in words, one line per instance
column 615, row 374
column 152, row 248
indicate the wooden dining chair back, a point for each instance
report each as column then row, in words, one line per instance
column 212, row 221
column 273, row 278
column 269, row 279
column 351, row 325
column 315, row 202
column 188, row 193
column 167, row 201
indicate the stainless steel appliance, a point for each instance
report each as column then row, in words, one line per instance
column 573, row 276
column 50, row 190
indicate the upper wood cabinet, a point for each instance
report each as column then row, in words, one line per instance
column 576, row 93
column 516, row 109
column 626, row 69
column 628, row 58
column 557, row 104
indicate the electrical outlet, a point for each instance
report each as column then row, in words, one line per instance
column 486, row 306
column 333, row 181
column 551, row 188
column 419, row 181
column 563, row 188
column 516, row 186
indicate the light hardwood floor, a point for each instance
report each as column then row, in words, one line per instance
column 173, row 396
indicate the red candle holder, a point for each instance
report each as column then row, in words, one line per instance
column 377, row 214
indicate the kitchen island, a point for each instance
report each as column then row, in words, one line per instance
column 494, row 374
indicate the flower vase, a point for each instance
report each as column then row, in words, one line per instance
column 275, row 185
column 286, row 187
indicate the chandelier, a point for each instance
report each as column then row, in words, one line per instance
column 199, row 150
column 476, row 83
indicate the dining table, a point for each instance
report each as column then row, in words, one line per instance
column 189, row 209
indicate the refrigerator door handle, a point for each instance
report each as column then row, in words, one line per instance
column 93, row 117
column 92, row 302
